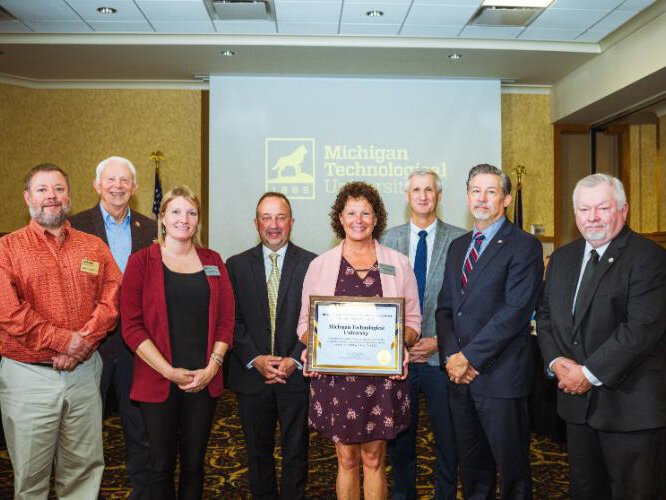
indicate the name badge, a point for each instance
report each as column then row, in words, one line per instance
column 89, row 266
column 387, row 269
column 211, row 270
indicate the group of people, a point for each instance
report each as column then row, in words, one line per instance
column 109, row 298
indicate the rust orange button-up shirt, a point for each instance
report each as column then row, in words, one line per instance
column 50, row 289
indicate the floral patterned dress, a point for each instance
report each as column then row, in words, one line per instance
column 358, row 409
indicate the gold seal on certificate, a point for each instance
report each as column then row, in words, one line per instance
column 356, row 335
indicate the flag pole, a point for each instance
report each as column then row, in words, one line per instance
column 520, row 171
column 157, row 157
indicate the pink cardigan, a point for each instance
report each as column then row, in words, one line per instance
column 322, row 276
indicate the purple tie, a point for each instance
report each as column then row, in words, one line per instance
column 472, row 257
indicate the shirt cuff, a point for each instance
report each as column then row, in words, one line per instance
column 249, row 366
column 590, row 376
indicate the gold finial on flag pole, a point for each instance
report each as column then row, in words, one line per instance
column 156, row 157
column 520, row 170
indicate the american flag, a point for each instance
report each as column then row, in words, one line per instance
column 157, row 196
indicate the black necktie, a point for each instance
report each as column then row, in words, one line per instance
column 586, row 280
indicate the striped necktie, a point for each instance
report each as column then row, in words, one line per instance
column 472, row 257
column 273, row 286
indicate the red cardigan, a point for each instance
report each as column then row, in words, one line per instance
column 144, row 316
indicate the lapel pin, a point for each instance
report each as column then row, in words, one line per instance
column 499, row 241
column 610, row 260
column 137, row 223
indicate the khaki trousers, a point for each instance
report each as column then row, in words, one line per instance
column 53, row 419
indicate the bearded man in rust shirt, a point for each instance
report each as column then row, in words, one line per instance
column 58, row 298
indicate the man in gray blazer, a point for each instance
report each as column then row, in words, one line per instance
column 425, row 239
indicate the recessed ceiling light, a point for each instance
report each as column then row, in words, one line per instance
column 106, row 10
column 374, row 13
column 227, row 53
column 541, row 4
column 456, row 56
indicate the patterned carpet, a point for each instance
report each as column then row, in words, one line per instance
column 226, row 476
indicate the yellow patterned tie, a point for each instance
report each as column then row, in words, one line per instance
column 273, row 287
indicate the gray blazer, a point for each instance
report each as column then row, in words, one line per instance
column 398, row 239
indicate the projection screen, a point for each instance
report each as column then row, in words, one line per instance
column 308, row 136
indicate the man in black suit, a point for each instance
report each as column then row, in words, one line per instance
column 491, row 283
column 602, row 329
column 265, row 368
column 125, row 232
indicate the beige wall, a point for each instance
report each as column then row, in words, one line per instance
column 647, row 199
column 77, row 128
column 527, row 139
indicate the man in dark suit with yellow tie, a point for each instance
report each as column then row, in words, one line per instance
column 125, row 232
column 601, row 327
column 264, row 366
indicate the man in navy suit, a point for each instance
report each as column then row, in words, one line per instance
column 125, row 232
column 491, row 283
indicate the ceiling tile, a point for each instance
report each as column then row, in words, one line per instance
column 356, row 13
column 591, row 36
column 13, row 26
column 573, row 19
column 173, row 10
column 59, row 26
column 636, row 5
column 474, row 3
column 245, row 27
column 369, row 29
column 546, row 34
column 379, row 4
column 39, row 10
column 127, row 10
column 121, row 27
column 425, row 30
column 432, row 15
column 308, row 12
column 308, row 28
column 587, row 4
column 613, row 20
column 490, row 32
column 183, row 26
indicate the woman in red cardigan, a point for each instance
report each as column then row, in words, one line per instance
column 178, row 317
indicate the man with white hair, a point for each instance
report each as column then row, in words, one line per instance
column 125, row 232
column 602, row 330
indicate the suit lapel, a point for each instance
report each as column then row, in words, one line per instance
column 437, row 253
column 494, row 247
column 98, row 223
column 286, row 273
column 458, row 259
column 611, row 255
column 259, row 279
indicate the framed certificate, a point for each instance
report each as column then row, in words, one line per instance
column 356, row 335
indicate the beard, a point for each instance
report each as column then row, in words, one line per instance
column 596, row 235
column 481, row 214
column 49, row 220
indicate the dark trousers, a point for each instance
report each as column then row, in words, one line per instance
column 259, row 413
column 616, row 465
column 432, row 382
column 179, row 426
column 117, row 372
column 491, row 434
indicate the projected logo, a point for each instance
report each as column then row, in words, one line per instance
column 290, row 167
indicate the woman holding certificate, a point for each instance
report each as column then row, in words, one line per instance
column 360, row 413
column 178, row 317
